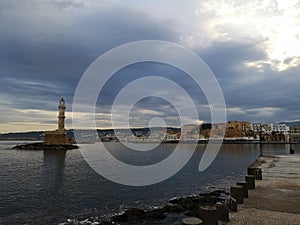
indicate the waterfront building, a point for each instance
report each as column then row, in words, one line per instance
column 218, row 130
column 295, row 133
column 215, row 130
column 272, row 128
column 272, row 132
column 190, row 132
column 238, row 129
column 280, row 128
column 172, row 136
column 257, row 127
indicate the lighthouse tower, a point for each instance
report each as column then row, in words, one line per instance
column 61, row 116
column 59, row 136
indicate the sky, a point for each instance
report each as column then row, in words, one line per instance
column 252, row 48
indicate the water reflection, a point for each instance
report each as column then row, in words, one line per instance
column 53, row 168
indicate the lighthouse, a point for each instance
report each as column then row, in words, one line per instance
column 55, row 139
column 61, row 116
column 59, row 136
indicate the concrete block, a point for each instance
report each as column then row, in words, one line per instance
column 237, row 192
column 244, row 185
column 250, row 179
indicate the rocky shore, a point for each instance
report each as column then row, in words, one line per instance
column 171, row 213
column 42, row 146
column 273, row 186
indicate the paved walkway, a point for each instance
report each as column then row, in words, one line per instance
column 276, row 198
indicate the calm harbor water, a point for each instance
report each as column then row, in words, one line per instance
column 42, row 187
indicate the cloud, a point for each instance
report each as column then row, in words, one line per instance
column 27, row 119
column 252, row 48
column 59, row 45
column 53, row 42
column 273, row 23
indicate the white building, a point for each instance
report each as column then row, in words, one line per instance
column 279, row 128
column 256, row 127
column 190, row 131
column 270, row 128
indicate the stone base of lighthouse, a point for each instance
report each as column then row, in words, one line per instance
column 55, row 138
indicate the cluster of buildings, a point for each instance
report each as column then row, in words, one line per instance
column 231, row 131
column 242, row 130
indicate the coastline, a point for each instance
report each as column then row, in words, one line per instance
column 172, row 212
column 239, row 141
column 81, row 216
column 273, row 201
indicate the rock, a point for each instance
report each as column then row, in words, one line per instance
column 130, row 215
column 191, row 221
column 188, row 205
column 216, row 193
column 222, row 212
column 85, row 222
column 209, row 200
column 231, row 204
column 156, row 214
column 72, row 222
column 174, row 200
column 41, row 146
column 136, row 214
column 209, row 215
column 173, row 209
column 106, row 223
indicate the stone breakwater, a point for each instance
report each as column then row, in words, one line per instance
column 205, row 208
column 270, row 194
column 41, row 146
column 275, row 200
column 176, row 210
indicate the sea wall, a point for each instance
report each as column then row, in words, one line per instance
column 55, row 138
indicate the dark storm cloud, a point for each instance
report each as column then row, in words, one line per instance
column 276, row 89
column 224, row 57
column 57, row 47
column 248, row 89
column 155, row 105
column 46, row 46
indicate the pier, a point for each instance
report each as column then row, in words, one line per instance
column 275, row 199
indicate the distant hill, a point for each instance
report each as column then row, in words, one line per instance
column 293, row 123
column 81, row 134
column 28, row 136
column 32, row 135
